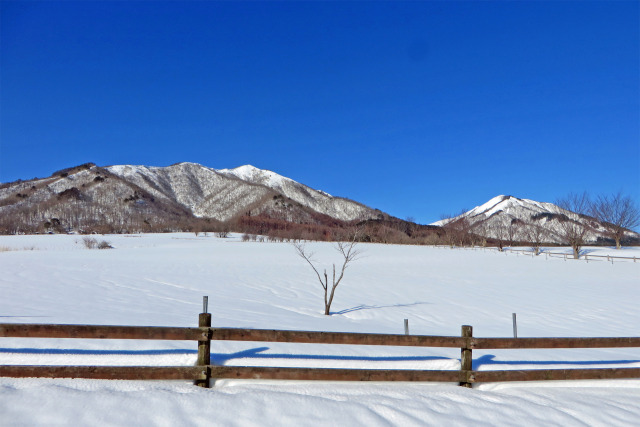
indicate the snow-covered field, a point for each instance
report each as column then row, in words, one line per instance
column 160, row 280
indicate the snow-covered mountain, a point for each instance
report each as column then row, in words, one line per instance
column 225, row 193
column 127, row 194
column 503, row 211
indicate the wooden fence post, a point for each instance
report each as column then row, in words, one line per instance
column 204, row 347
column 466, row 356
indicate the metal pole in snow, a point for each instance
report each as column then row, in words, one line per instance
column 205, row 304
column 406, row 326
column 515, row 325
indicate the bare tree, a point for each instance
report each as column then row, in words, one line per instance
column 536, row 235
column 499, row 232
column 448, row 231
column 479, row 232
column 618, row 213
column 572, row 230
column 348, row 252
column 513, row 231
column 456, row 229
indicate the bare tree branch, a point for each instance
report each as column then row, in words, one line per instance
column 349, row 254
column 308, row 258
column 618, row 213
column 572, row 230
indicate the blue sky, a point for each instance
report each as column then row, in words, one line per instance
column 415, row 108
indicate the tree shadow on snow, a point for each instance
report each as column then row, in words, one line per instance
column 371, row 307
column 489, row 359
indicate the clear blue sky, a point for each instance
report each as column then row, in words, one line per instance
column 415, row 108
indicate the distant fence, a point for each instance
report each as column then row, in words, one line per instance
column 204, row 371
column 548, row 254
column 566, row 256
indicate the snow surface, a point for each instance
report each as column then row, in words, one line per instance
column 253, row 174
column 160, row 280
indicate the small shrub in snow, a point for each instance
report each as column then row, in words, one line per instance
column 104, row 245
column 92, row 243
column 89, row 242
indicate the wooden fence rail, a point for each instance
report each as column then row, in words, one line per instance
column 30, row 330
column 33, row 330
column 204, row 371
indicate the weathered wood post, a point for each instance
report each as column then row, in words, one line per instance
column 204, row 347
column 466, row 356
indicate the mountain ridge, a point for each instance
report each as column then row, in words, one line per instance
column 493, row 218
column 132, row 197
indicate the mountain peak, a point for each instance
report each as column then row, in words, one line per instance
column 225, row 193
column 503, row 210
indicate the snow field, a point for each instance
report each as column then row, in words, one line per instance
column 159, row 280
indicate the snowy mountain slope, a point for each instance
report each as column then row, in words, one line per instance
column 223, row 194
column 88, row 194
column 319, row 201
column 505, row 210
column 201, row 190
column 85, row 196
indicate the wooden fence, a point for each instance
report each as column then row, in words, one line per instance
column 204, row 371
column 586, row 256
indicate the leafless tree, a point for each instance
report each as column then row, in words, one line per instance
column 572, row 230
column 348, row 252
column 448, row 231
column 479, row 230
column 536, row 235
column 618, row 213
column 513, row 231
column 499, row 232
column 456, row 229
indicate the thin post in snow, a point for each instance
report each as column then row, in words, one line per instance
column 515, row 325
column 406, row 326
